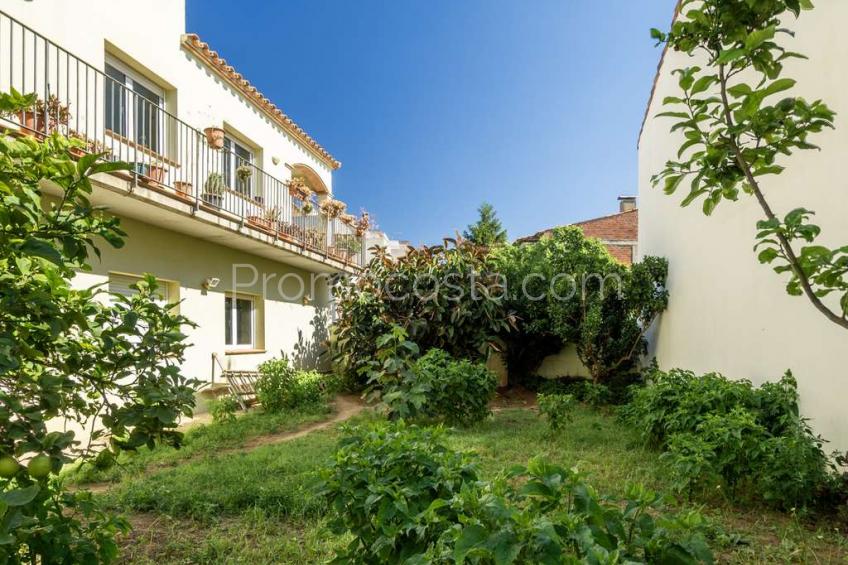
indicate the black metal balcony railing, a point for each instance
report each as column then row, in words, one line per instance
column 130, row 123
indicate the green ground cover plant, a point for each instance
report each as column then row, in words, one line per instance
column 727, row 436
column 611, row 454
column 282, row 387
column 407, row 498
column 557, row 409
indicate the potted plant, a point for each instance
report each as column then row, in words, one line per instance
column 80, row 145
column 213, row 189
column 214, row 137
column 269, row 218
column 363, row 223
column 348, row 219
column 156, row 170
column 298, row 188
column 307, row 207
column 183, row 189
column 314, row 237
column 243, row 173
column 45, row 117
column 332, row 208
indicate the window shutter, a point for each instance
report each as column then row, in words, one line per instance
column 120, row 284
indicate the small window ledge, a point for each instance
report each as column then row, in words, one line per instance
column 245, row 351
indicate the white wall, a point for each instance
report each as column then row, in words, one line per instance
column 149, row 35
column 287, row 324
column 727, row 312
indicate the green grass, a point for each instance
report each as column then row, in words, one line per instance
column 260, row 507
column 202, row 440
column 277, row 479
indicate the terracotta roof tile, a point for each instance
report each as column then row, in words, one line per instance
column 618, row 232
column 216, row 62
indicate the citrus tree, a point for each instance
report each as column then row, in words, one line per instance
column 567, row 289
column 109, row 363
column 739, row 123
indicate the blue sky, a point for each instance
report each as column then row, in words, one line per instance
column 434, row 106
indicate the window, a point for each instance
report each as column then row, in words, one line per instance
column 134, row 107
column 122, row 284
column 239, row 321
column 235, row 155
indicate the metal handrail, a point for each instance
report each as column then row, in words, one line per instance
column 79, row 100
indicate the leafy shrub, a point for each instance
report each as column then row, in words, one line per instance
column 390, row 377
column 729, row 434
column 432, row 386
column 586, row 298
column 282, row 387
column 224, row 409
column 557, row 409
column 462, row 320
column 389, row 486
column 458, row 391
column 406, row 498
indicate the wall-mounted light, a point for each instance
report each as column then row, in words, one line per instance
column 275, row 160
column 211, row 282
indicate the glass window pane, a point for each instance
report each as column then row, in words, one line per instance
column 147, row 116
column 244, row 313
column 115, row 98
column 243, row 157
column 228, row 321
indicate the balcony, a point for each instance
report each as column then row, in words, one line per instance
column 169, row 157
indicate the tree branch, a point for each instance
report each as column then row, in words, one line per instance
column 791, row 257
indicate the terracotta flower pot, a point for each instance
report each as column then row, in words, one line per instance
column 261, row 223
column 33, row 120
column 183, row 189
column 156, row 173
column 215, row 137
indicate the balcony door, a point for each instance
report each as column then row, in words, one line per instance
column 134, row 108
column 236, row 155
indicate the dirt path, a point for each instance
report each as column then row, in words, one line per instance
column 346, row 407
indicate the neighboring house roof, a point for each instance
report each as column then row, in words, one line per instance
column 618, row 232
column 217, row 63
column 657, row 76
column 623, row 226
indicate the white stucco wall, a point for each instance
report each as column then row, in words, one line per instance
column 146, row 37
column 727, row 312
column 283, row 322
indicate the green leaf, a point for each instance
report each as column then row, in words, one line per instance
column 472, row 537
column 711, row 203
column 729, row 56
column 779, row 85
column 767, row 255
column 758, row 37
column 109, row 166
column 21, row 496
column 702, row 84
column 41, row 248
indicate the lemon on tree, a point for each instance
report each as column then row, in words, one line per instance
column 8, row 467
column 39, row 466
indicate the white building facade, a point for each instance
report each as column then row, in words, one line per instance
column 209, row 206
column 728, row 313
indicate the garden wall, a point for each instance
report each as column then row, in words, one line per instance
column 727, row 312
